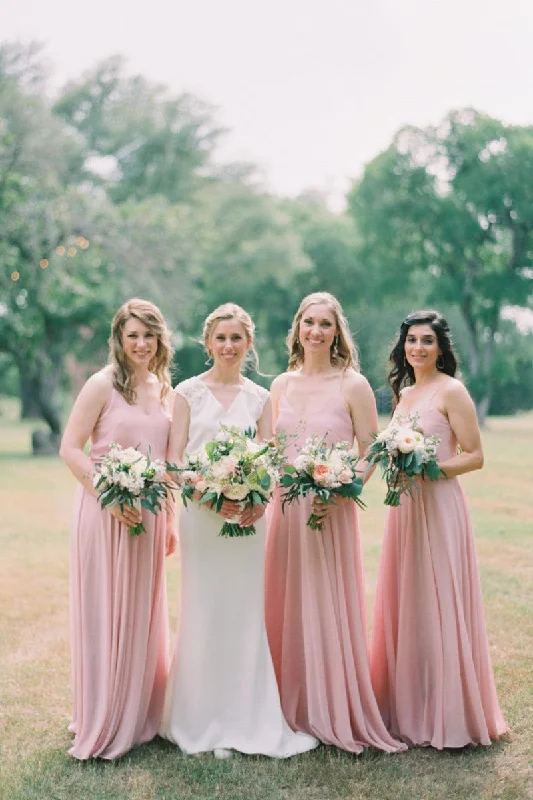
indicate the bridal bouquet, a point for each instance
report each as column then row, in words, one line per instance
column 235, row 466
column 404, row 452
column 126, row 477
column 327, row 471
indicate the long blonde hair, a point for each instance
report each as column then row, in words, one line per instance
column 232, row 311
column 151, row 316
column 343, row 352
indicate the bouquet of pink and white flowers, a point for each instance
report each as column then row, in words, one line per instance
column 234, row 466
column 126, row 477
column 328, row 471
column 403, row 453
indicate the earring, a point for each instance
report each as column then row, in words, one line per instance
column 440, row 362
column 405, row 361
column 209, row 360
column 336, row 346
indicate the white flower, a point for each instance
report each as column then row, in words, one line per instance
column 346, row 476
column 223, row 436
column 224, row 468
column 160, row 470
column 237, row 491
column 139, row 466
column 420, row 444
column 302, row 462
column 253, row 447
column 405, row 441
column 130, row 455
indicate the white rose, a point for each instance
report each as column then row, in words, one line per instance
column 237, row 491
column 405, row 441
column 125, row 480
column 253, row 447
column 302, row 463
column 346, row 476
column 224, row 468
column 129, row 455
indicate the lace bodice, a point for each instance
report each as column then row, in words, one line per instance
column 207, row 413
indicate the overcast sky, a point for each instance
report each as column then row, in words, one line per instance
column 310, row 89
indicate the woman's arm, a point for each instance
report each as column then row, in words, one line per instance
column 81, row 422
column 362, row 405
column 179, row 430
column 461, row 412
column 276, row 388
column 264, row 423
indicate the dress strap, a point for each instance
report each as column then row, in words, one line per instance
column 430, row 400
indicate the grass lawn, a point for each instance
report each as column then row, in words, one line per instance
column 36, row 498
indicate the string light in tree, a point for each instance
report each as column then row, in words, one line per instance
column 15, row 276
column 72, row 251
column 60, row 250
column 43, row 263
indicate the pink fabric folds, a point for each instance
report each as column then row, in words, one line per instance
column 119, row 627
column 430, row 658
column 315, row 609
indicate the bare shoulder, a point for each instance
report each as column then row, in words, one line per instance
column 99, row 385
column 454, row 391
column 355, row 383
column 406, row 391
column 279, row 383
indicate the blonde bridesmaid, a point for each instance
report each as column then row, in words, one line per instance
column 315, row 590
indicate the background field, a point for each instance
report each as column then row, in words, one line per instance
column 36, row 498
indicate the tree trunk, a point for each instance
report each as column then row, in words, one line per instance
column 48, row 382
column 482, row 408
column 29, row 405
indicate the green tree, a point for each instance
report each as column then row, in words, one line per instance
column 140, row 141
column 51, row 284
column 447, row 212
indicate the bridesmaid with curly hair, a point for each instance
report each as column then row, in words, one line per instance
column 118, row 607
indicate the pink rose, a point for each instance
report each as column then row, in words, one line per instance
column 321, row 473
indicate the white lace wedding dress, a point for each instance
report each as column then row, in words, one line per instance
column 222, row 691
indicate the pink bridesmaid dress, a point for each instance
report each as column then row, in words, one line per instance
column 315, row 606
column 118, row 610
column 430, row 660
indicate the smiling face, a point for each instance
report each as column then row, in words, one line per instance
column 317, row 328
column 139, row 342
column 422, row 347
column 228, row 343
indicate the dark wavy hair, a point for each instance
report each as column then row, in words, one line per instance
column 402, row 373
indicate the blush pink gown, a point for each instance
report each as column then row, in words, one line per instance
column 315, row 606
column 118, row 610
column 430, row 658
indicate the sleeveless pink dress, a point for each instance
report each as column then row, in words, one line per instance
column 315, row 606
column 430, row 658
column 118, row 610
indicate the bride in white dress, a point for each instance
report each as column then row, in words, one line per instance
column 222, row 693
